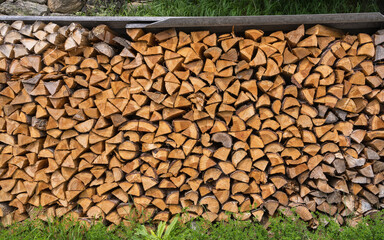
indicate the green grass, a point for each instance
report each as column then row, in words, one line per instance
column 233, row 7
column 279, row 228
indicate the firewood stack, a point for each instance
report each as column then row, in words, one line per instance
column 152, row 125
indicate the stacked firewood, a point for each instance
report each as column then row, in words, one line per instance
column 199, row 124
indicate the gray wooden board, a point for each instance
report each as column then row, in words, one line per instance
column 349, row 22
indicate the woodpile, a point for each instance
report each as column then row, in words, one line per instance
column 199, row 124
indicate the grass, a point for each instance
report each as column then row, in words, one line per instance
column 231, row 7
column 279, row 228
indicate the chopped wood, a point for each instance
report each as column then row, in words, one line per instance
column 172, row 120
